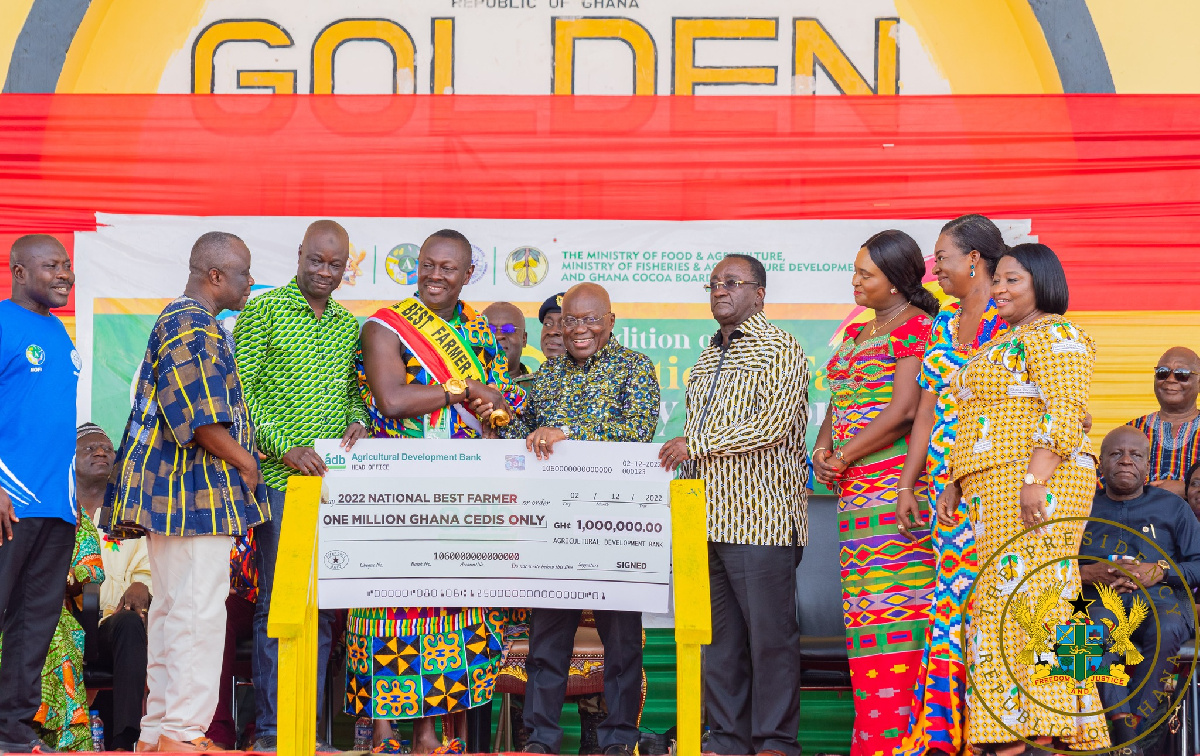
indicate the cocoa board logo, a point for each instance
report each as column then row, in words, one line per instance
column 336, row 560
column 1054, row 650
column 527, row 266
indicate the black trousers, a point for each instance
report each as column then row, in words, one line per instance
column 1172, row 630
column 752, row 667
column 123, row 651
column 551, row 639
column 33, row 583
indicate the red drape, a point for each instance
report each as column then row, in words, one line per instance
column 1110, row 181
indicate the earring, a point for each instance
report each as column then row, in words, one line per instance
column 972, row 270
column 893, row 289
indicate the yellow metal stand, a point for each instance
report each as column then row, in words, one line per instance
column 693, row 612
column 293, row 618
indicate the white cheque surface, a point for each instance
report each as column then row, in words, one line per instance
column 486, row 523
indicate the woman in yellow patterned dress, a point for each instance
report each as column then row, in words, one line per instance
column 1021, row 460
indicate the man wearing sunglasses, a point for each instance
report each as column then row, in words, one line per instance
column 507, row 324
column 1172, row 430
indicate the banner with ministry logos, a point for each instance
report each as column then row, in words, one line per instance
column 131, row 266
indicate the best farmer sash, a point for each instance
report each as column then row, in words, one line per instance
column 440, row 349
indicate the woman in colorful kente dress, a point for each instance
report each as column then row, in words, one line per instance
column 965, row 258
column 887, row 579
column 62, row 719
column 423, row 663
column 1021, row 460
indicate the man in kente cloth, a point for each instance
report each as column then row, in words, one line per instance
column 429, row 367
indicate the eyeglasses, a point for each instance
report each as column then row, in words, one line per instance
column 728, row 285
column 590, row 321
column 505, row 328
column 1181, row 375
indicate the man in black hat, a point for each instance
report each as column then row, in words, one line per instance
column 550, row 316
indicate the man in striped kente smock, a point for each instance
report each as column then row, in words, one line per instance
column 1172, row 430
column 187, row 478
column 747, row 406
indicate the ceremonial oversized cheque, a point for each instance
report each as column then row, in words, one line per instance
column 486, row 523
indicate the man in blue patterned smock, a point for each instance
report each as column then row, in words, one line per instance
column 597, row 391
column 39, row 370
column 187, row 476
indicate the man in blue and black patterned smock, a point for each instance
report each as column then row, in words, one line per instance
column 597, row 391
column 1144, row 544
column 187, row 477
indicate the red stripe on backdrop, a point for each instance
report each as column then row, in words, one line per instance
column 1110, row 181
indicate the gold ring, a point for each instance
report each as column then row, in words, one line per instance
column 542, row 441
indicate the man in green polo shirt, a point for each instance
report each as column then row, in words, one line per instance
column 295, row 356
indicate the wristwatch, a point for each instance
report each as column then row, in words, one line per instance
column 458, row 386
column 1032, row 481
column 566, row 429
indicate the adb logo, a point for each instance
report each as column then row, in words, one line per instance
column 335, row 461
column 35, row 354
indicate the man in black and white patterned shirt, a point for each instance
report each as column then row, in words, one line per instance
column 747, row 402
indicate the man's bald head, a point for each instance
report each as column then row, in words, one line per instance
column 219, row 268
column 326, row 233
column 32, row 246
column 1180, row 353
column 1177, row 397
column 508, row 324
column 587, row 320
column 216, row 249
column 1125, row 434
column 1124, row 460
column 42, row 277
column 504, row 312
column 587, row 295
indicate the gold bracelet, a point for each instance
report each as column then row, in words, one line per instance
column 898, row 490
column 819, row 448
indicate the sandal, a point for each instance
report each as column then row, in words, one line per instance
column 454, row 745
column 391, row 745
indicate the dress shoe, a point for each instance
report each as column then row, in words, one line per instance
column 618, row 749
column 171, row 745
column 535, row 747
column 144, row 747
column 264, row 744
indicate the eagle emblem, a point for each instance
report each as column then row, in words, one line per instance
column 1125, row 624
column 1035, row 624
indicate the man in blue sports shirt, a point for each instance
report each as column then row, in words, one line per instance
column 39, row 372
